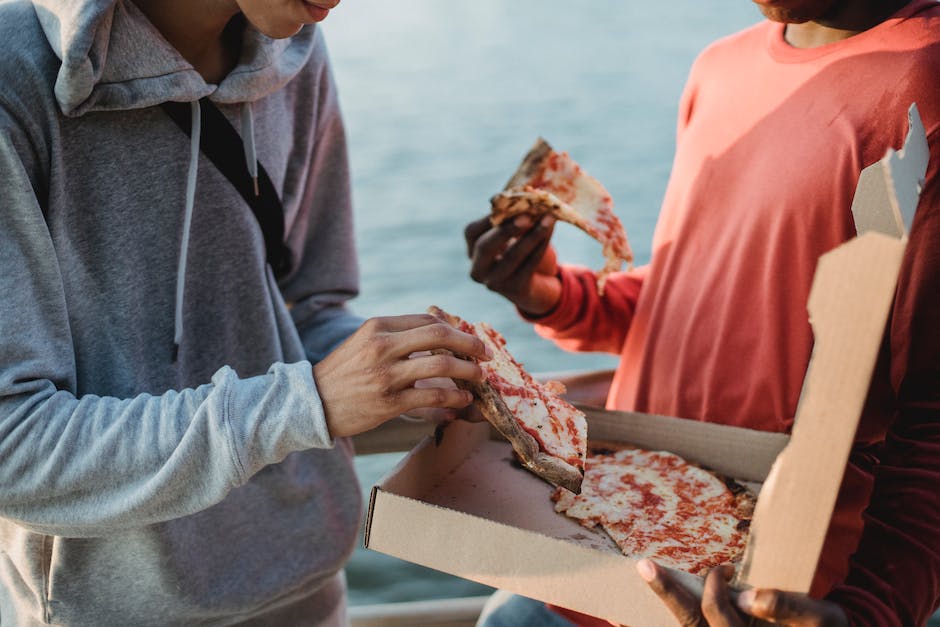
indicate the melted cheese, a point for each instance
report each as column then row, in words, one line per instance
column 559, row 428
column 592, row 206
column 654, row 504
column 564, row 178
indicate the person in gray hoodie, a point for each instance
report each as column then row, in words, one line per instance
column 173, row 403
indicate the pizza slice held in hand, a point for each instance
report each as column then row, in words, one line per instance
column 550, row 182
column 548, row 434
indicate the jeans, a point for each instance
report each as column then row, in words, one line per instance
column 505, row 609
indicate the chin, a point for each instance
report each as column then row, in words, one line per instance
column 794, row 11
column 784, row 16
column 280, row 31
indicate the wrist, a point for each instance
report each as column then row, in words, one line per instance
column 543, row 299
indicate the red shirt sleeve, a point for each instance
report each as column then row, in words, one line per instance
column 584, row 320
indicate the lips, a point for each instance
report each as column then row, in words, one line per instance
column 326, row 5
column 320, row 9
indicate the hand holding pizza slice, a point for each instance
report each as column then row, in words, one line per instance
column 550, row 182
column 548, row 434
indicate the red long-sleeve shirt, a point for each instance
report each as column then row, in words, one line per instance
column 771, row 140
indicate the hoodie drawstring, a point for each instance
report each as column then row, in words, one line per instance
column 187, row 222
column 251, row 162
column 248, row 142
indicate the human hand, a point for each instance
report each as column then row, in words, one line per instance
column 716, row 609
column 370, row 378
column 516, row 260
column 443, row 415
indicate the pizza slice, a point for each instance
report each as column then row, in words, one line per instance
column 550, row 182
column 548, row 434
column 655, row 504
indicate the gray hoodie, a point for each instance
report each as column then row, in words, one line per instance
column 136, row 489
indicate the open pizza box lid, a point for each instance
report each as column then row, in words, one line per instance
column 463, row 506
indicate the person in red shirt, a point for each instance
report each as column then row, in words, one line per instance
column 775, row 125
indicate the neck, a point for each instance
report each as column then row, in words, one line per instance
column 844, row 19
column 211, row 43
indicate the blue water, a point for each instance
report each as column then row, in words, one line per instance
column 442, row 98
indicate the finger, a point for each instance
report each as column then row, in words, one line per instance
column 436, row 382
column 524, row 221
column 528, row 248
column 489, row 247
column 471, row 413
column 778, row 606
column 486, row 250
column 548, row 264
column 443, row 415
column 410, row 399
column 716, row 599
column 393, row 324
column 438, row 415
column 473, row 231
column 679, row 601
column 525, row 254
column 434, row 337
column 427, row 372
column 534, row 262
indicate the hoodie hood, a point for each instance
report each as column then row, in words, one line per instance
column 113, row 58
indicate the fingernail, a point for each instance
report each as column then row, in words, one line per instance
column 488, row 351
column 746, row 599
column 547, row 221
column 522, row 221
column 646, row 569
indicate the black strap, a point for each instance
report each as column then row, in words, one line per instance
column 222, row 144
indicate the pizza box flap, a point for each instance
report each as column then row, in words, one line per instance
column 744, row 454
column 464, row 506
column 850, row 299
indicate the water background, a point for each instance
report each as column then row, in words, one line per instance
column 442, row 98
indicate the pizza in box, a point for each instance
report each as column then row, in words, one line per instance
column 657, row 505
column 652, row 504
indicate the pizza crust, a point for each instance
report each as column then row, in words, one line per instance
column 744, row 500
column 530, row 165
column 536, row 202
column 554, row 470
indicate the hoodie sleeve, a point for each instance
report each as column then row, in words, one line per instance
column 87, row 465
column 323, row 238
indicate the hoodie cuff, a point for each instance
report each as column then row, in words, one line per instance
column 272, row 415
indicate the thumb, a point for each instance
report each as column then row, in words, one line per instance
column 549, row 262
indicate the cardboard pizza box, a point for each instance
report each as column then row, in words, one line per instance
column 463, row 506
